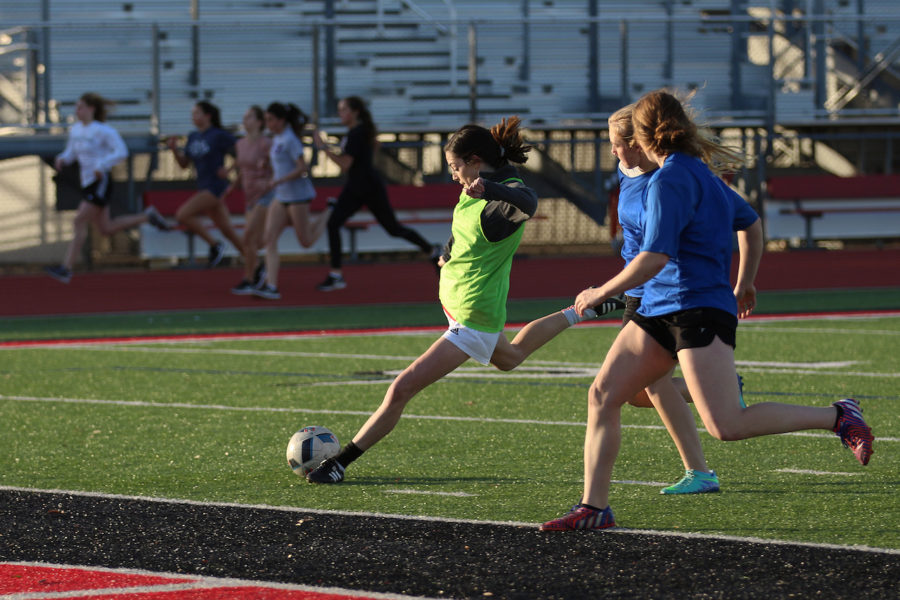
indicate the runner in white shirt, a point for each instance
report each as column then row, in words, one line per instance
column 97, row 148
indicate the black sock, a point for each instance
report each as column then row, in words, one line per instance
column 590, row 507
column 348, row 454
column 840, row 413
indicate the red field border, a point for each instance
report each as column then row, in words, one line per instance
column 391, row 283
column 37, row 580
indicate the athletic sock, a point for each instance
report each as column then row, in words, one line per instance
column 348, row 454
column 572, row 316
column 590, row 507
column 840, row 413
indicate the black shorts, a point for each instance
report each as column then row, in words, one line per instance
column 691, row 328
column 99, row 192
column 632, row 303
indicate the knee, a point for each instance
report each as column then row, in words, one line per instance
column 600, row 398
column 506, row 363
column 725, row 430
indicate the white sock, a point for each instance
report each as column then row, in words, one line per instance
column 572, row 316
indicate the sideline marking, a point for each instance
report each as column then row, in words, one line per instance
column 322, row 411
column 430, row 519
column 810, row 472
column 287, row 335
column 432, row 493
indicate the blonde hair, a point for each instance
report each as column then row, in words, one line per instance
column 620, row 122
column 662, row 124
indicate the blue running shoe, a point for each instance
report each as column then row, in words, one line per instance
column 741, row 391
column 694, row 482
column 853, row 431
column 582, row 517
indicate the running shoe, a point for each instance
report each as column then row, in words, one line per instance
column 332, row 283
column 244, row 288
column 156, row 219
column 216, row 254
column 59, row 273
column 741, row 391
column 328, row 471
column 581, row 517
column 694, row 482
column 267, row 292
column 259, row 275
column 853, row 431
column 605, row 307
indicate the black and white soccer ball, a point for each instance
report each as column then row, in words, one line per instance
column 309, row 447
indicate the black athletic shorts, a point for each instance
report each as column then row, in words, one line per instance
column 632, row 303
column 99, row 192
column 691, row 328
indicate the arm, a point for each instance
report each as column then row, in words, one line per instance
column 180, row 157
column 344, row 161
column 118, row 151
column 66, row 156
column 519, row 196
column 640, row 270
column 750, row 245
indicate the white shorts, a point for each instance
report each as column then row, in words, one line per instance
column 479, row 345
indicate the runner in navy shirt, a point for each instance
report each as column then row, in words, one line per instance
column 206, row 149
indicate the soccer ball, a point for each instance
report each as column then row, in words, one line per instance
column 309, row 447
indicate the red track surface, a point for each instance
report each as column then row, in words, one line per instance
column 388, row 283
column 74, row 582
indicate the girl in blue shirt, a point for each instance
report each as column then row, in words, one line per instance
column 688, row 313
column 206, row 149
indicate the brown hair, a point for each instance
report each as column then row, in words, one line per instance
column 100, row 104
column 662, row 124
column 500, row 145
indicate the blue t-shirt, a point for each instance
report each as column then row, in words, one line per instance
column 690, row 216
column 631, row 217
column 208, row 149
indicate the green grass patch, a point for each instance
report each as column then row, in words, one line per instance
column 210, row 421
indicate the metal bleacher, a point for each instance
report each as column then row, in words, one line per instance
column 411, row 58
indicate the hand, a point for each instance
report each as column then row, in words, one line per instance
column 746, row 299
column 172, row 143
column 318, row 140
column 475, row 189
column 98, row 175
column 588, row 298
column 59, row 164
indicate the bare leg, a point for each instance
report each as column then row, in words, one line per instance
column 87, row 213
column 508, row 355
column 633, row 362
column 221, row 217
column 188, row 214
column 276, row 219
column 709, row 373
column 678, row 418
column 253, row 233
column 439, row 360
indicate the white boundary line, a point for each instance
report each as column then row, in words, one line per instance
column 321, row 411
column 297, row 509
column 197, row 582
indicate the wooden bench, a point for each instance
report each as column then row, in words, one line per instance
column 429, row 209
column 817, row 207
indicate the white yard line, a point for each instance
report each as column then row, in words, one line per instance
column 274, row 409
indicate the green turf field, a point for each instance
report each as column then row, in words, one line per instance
column 210, row 421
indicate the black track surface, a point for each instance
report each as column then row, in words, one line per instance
column 424, row 558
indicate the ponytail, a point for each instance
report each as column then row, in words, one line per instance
column 292, row 115
column 497, row 147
